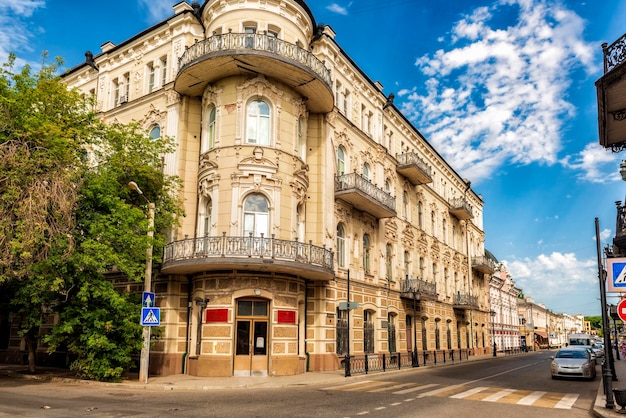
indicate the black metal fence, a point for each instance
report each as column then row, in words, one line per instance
column 367, row 363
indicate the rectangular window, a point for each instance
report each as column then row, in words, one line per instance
column 368, row 332
column 151, row 77
column 163, row 71
column 342, row 332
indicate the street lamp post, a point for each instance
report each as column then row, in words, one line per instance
column 144, row 361
column 493, row 331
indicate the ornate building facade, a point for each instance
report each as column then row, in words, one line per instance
column 503, row 295
column 320, row 222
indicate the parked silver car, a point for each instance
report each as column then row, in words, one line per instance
column 573, row 362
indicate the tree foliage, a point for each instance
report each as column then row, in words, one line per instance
column 68, row 219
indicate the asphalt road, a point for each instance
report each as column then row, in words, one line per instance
column 506, row 387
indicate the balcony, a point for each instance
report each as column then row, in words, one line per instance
column 271, row 255
column 465, row 301
column 483, row 265
column 411, row 166
column 460, row 208
column 231, row 54
column 417, row 288
column 363, row 195
column 611, row 93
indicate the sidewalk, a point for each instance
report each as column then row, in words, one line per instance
column 186, row 382
column 599, row 408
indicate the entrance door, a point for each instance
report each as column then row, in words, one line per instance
column 251, row 357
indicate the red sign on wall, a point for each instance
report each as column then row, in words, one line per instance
column 286, row 317
column 217, row 315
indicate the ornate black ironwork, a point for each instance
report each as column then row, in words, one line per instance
column 614, row 54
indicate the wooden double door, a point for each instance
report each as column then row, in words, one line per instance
column 251, row 338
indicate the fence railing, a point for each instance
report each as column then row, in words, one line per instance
column 369, row 363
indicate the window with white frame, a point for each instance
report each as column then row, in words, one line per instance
column 388, row 261
column 208, row 141
column 341, row 245
column 256, row 215
column 155, row 132
column 258, row 123
column 366, row 172
column 208, row 212
column 163, row 64
column 366, row 253
column 250, row 31
column 341, row 161
column 151, row 73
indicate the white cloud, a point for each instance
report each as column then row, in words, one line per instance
column 16, row 33
column 593, row 163
column 559, row 280
column 336, row 8
column 499, row 95
column 157, row 9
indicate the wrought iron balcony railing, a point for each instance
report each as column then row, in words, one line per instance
column 249, row 252
column 414, row 168
column 229, row 42
column 614, row 54
column 364, row 195
column 484, row 264
column 461, row 208
column 465, row 300
column 418, row 287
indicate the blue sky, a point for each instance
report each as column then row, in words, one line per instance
column 504, row 90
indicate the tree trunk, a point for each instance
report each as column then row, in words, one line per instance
column 31, row 348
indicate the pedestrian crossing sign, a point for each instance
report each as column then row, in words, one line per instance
column 150, row 317
column 616, row 275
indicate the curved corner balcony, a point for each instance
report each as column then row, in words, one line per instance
column 230, row 54
column 271, row 255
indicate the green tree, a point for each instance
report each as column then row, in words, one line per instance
column 69, row 222
column 99, row 324
column 44, row 131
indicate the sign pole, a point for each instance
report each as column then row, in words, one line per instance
column 606, row 372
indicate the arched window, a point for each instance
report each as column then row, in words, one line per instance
column 341, row 161
column 255, row 215
column 388, row 186
column 341, row 246
column 368, row 331
column 155, row 133
column 366, row 253
column 258, row 123
column 209, row 136
column 208, row 209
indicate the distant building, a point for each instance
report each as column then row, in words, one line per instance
column 300, row 177
column 503, row 296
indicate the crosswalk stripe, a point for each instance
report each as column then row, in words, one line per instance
column 498, row 395
column 390, row 388
column 415, row 389
column 532, row 398
column 567, row 401
column 442, row 391
column 467, row 393
column 461, row 391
